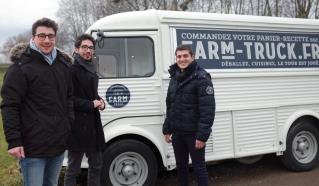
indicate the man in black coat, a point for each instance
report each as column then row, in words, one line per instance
column 37, row 105
column 86, row 133
column 190, row 113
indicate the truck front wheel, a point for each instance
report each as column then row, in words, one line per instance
column 129, row 162
column 302, row 147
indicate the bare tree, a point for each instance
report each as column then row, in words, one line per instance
column 157, row 4
column 11, row 41
column 277, row 7
column 303, row 8
column 184, row 5
column 238, row 6
column 300, row 8
column 316, row 8
column 75, row 16
column 204, row 6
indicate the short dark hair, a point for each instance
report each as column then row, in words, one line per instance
column 81, row 38
column 44, row 22
column 184, row 47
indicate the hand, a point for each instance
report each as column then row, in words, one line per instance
column 199, row 144
column 102, row 106
column 96, row 103
column 17, row 152
column 168, row 138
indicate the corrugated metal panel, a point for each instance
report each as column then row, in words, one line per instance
column 259, row 92
column 255, row 131
column 170, row 155
column 283, row 113
column 220, row 142
column 222, row 136
column 246, row 117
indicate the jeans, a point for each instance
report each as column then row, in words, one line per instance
column 183, row 146
column 41, row 171
column 74, row 168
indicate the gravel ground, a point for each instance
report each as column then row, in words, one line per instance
column 267, row 172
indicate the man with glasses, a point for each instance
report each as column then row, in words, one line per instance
column 37, row 105
column 87, row 134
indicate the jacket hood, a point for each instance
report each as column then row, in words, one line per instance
column 21, row 49
column 17, row 51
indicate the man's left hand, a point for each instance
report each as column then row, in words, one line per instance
column 199, row 144
column 102, row 105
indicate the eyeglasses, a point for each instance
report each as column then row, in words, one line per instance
column 85, row 47
column 42, row 36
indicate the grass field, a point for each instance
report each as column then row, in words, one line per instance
column 9, row 169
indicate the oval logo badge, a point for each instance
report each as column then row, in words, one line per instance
column 117, row 95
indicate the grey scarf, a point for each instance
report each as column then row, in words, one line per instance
column 88, row 65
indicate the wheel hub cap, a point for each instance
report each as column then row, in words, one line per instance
column 127, row 170
column 302, row 147
column 305, row 147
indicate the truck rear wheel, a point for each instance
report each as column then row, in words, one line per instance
column 302, row 147
column 129, row 162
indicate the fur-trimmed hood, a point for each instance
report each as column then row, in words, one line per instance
column 20, row 49
column 17, row 51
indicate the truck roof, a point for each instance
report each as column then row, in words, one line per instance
column 152, row 19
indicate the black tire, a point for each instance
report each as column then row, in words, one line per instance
column 302, row 152
column 129, row 162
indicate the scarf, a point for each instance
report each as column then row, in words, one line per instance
column 48, row 57
column 181, row 76
column 88, row 65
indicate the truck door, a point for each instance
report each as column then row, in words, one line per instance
column 128, row 79
column 131, row 87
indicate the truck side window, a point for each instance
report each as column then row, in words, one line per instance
column 121, row 57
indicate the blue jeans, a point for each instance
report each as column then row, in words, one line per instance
column 184, row 145
column 41, row 171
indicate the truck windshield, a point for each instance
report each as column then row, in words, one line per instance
column 120, row 57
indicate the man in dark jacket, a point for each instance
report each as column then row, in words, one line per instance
column 37, row 105
column 86, row 133
column 190, row 106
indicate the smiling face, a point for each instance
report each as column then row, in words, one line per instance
column 183, row 59
column 44, row 39
column 85, row 50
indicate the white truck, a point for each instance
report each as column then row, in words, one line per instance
column 265, row 72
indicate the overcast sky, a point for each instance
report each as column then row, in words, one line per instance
column 17, row 16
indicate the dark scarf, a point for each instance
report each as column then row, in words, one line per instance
column 87, row 64
column 181, row 76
